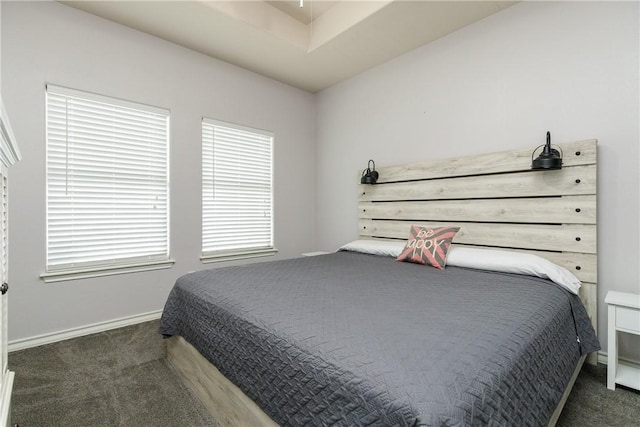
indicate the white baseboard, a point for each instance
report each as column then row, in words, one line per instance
column 22, row 343
column 603, row 359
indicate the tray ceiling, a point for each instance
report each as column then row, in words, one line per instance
column 313, row 47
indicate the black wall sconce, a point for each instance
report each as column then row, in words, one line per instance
column 369, row 175
column 549, row 158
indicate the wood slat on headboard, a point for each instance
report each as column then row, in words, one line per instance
column 497, row 201
column 568, row 209
column 505, row 161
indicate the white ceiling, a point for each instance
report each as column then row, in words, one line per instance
column 309, row 11
column 312, row 47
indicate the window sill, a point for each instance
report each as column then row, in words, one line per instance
column 230, row 256
column 87, row 273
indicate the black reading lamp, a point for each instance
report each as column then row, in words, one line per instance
column 369, row 175
column 549, row 158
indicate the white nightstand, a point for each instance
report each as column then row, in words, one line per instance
column 315, row 253
column 624, row 316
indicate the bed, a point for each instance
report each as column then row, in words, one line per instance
column 357, row 338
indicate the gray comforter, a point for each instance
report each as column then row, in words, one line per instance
column 354, row 339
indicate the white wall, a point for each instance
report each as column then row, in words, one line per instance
column 46, row 42
column 500, row 84
column 0, row 50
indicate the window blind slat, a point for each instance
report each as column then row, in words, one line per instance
column 107, row 181
column 237, row 191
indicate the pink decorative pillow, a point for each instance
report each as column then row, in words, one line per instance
column 428, row 245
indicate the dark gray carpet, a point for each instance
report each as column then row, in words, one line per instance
column 114, row 378
column 121, row 378
column 591, row 403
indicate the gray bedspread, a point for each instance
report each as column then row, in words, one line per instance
column 353, row 339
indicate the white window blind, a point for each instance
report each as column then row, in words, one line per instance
column 237, row 207
column 107, row 182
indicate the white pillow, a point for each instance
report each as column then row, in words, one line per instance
column 513, row 262
column 375, row 247
column 482, row 259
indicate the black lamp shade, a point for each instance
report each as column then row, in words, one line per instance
column 369, row 175
column 549, row 158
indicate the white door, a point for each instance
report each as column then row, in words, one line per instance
column 9, row 155
column 6, row 376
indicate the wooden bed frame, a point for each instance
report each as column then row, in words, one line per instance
column 495, row 199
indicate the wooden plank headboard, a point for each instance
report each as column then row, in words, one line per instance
column 499, row 202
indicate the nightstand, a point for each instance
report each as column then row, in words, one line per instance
column 315, row 253
column 624, row 316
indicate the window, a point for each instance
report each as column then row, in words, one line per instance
column 237, row 194
column 107, row 185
